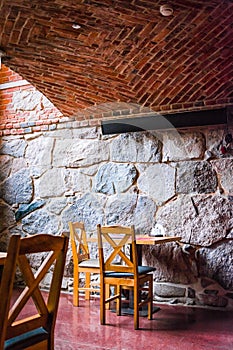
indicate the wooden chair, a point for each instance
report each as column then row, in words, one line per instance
column 82, row 262
column 126, row 274
column 30, row 320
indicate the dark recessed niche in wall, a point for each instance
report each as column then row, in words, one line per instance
column 168, row 121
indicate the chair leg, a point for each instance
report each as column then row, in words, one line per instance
column 107, row 295
column 102, row 303
column 87, row 283
column 136, row 307
column 150, row 296
column 75, row 289
column 118, row 301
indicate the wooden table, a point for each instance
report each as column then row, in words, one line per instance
column 2, row 257
column 152, row 240
column 145, row 239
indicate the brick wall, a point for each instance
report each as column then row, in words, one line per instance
column 7, row 75
column 13, row 120
column 123, row 51
column 19, row 118
column 16, row 121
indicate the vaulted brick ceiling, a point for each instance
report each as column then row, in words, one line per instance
column 124, row 51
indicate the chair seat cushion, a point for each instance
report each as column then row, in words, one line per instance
column 90, row 263
column 26, row 339
column 142, row 270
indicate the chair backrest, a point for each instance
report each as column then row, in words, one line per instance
column 6, row 286
column 41, row 308
column 79, row 243
column 115, row 257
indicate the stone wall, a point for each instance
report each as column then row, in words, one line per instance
column 55, row 169
column 180, row 181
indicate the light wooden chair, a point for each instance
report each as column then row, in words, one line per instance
column 30, row 320
column 122, row 271
column 82, row 262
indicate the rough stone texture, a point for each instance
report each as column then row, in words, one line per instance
column 40, row 221
column 46, row 103
column 217, row 263
column 212, row 300
column 224, row 168
column 182, row 146
column 164, row 290
column 114, row 178
column 56, row 180
column 56, row 206
column 120, row 208
column 79, row 181
column 5, row 166
column 172, row 265
column 128, row 209
column 212, row 220
column 206, row 282
column 26, row 100
column 196, row 177
column 200, row 220
column 144, row 214
column 136, row 147
column 88, row 209
column 39, row 152
column 60, row 134
column 69, row 173
column 17, row 188
column 213, row 140
column 230, row 229
column 86, row 133
column 7, row 217
column 15, row 148
column 18, row 164
column 75, row 153
column 158, row 182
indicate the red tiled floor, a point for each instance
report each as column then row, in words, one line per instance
column 173, row 327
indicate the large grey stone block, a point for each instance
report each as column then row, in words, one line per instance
column 179, row 146
column 217, row 263
column 15, row 148
column 75, row 153
column 158, row 182
column 17, row 188
column 136, row 147
column 114, row 178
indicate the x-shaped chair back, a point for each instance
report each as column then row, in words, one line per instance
column 79, row 243
column 118, row 237
column 37, row 322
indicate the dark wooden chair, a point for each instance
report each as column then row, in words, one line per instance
column 119, row 269
column 32, row 328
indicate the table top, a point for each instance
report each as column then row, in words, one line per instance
column 146, row 239
column 2, row 257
